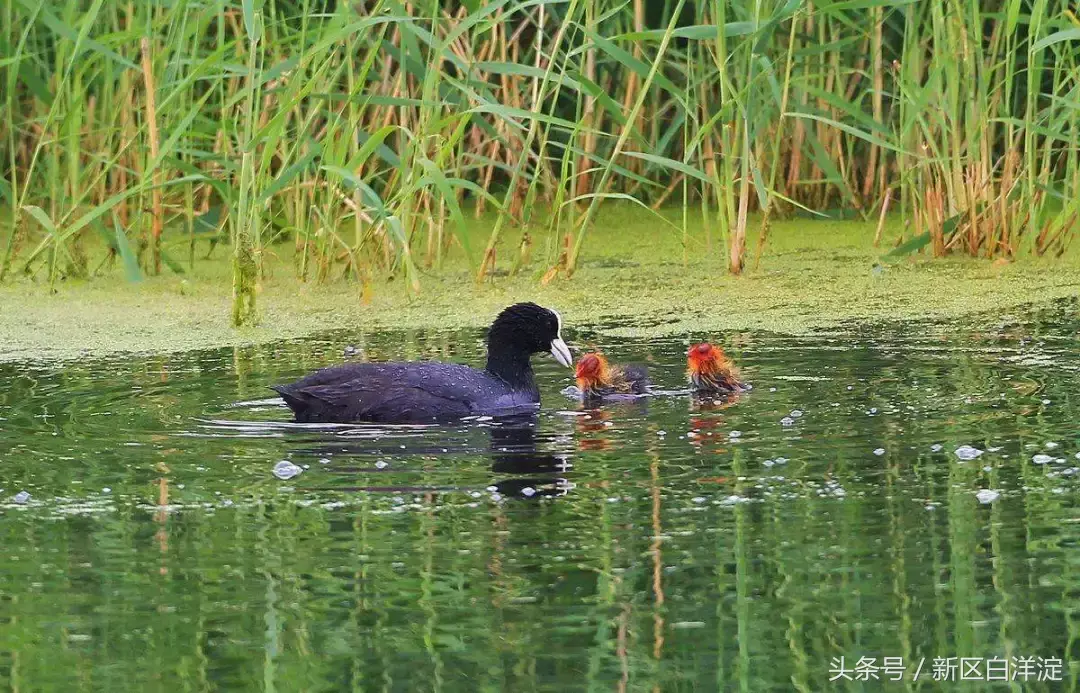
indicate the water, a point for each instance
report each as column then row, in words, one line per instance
column 147, row 543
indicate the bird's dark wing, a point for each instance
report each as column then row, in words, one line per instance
column 394, row 392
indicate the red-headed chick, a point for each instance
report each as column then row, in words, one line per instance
column 597, row 379
column 709, row 370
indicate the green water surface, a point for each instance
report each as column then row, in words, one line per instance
column 675, row 545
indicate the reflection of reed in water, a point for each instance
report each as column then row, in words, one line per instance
column 657, row 559
column 162, row 515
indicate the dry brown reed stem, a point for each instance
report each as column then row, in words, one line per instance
column 157, row 220
column 881, row 218
column 121, row 182
column 589, row 144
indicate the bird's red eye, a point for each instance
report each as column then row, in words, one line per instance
column 701, row 350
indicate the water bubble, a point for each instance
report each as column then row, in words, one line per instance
column 22, row 498
column 285, row 470
column 966, row 452
column 1042, row 459
column 987, row 495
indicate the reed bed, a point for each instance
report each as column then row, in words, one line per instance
column 361, row 137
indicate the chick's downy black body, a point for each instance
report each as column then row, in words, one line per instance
column 426, row 391
column 597, row 380
column 626, row 382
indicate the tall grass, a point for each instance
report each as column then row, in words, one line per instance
column 362, row 135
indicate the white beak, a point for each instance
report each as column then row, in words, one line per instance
column 561, row 352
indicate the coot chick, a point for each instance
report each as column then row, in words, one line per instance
column 424, row 391
column 710, row 371
column 598, row 380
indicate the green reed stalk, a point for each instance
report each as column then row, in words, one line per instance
column 594, row 201
column 245, row 218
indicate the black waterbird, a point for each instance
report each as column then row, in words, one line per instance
column 426, row 391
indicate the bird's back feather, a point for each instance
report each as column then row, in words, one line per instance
column 388, row 392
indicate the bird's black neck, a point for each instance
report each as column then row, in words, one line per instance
column 512, row 366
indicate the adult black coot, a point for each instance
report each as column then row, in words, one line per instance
column 598, row 380
column 425, row 391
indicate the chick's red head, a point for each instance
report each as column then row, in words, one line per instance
column 591, row 370
column 705, row 358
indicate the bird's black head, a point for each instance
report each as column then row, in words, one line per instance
column 524, row 329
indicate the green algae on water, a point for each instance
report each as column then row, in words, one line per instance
column 814, row 276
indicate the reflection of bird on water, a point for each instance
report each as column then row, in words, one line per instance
column 708, row 429
column 512, row 444
column 514, row 451
column 591, row 429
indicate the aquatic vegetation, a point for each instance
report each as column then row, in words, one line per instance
column 360, row 135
